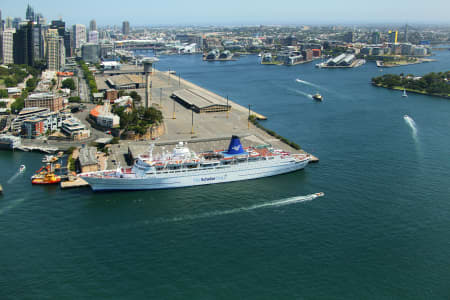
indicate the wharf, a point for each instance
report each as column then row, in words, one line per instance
column 37, row 148
column 74, row 183
column 217, row 98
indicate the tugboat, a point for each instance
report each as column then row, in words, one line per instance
column 317, row 97
column 45, row 175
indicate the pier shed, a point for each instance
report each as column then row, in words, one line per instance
column 87, row 159
column 200, row 101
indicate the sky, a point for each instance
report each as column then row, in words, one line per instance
column 235, row 12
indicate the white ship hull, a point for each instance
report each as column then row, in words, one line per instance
column 193, row 177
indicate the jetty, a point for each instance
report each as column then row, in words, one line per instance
column 73, row 182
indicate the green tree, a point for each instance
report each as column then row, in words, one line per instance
column 68, row 83
column 3, row 93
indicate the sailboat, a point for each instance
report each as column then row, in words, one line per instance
column 404, row 93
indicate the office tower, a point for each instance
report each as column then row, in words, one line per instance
column 16, row 22
column 55, row 50
column 126, row 28
column 79, row 35
column 30, row 14
column 6, row 49
column 9, row 22
column 68, row 43
column 406, row 33
column 393, row 35
column 376, row 37
column 93, row 37
column 23, row 45
column 349, row 37
column 92, row 25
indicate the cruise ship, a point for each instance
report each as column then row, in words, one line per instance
column 183, row 168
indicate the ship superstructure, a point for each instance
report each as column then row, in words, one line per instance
column 183, row 168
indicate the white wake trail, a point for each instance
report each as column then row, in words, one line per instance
column 307, row 83
column 410, row 122
column 11, row 205
column 282, row 202
column 14, row 177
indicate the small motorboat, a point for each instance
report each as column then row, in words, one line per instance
column 22, row 168
column 317, row 97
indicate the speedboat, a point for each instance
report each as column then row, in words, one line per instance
column 22, row 168
column 317, row 97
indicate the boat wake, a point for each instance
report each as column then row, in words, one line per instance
column 410, row 122
column 307, row 83
column 11, row 205
column 14, row 177
column 302, row 93
column 282, row 202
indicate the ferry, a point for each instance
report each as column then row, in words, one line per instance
column 183, row 168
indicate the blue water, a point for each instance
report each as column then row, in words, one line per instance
column 381, row 231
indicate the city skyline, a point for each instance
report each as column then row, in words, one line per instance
column 200, row 12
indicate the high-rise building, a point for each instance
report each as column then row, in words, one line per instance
column 23, row 45
column 16, row 22
column 406, row 33
column 92, row 25
column 126, row 27
column 68, row 43
column 79, row 35
column 30, row 14
column 56, row 55
column 6, row 49
column 93, row 37
column 40, row 19
column 90, row 52
column 393, row 36
column 1, row 21
column 349, row 37
column 38, row 42
column 9, row 22
column 376, row 37
column 59, row 25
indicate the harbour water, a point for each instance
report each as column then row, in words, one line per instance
column 380, row 232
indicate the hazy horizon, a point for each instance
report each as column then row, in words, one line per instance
column 235, row 13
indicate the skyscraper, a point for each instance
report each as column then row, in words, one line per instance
column 92, row 25
column 93, row 37
column 55, row 50
column 30, row 14
column 126, row 27
column 376, row 37
column 79, row 35
column 393, row 35
column 23, row 45
column 6, row 41
column 406, row 33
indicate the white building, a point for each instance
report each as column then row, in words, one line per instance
column 93, row 37
column 6, row 46
column 79, row 35
column 56, row 53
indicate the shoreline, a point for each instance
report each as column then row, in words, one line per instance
column 396, row 88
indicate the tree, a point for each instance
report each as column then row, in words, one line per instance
column 68, row 83
column 3, row 93
column 74, row 99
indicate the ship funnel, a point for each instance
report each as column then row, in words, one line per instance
column 235, row 146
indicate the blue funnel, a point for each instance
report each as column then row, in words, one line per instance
column 235, row 146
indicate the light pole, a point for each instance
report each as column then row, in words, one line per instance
column 192, row 128
column 173, row 116
column 179, row 80
column 228, row 108
column 168, row 82
column 248, row 123
column 160, row 97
